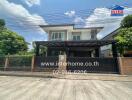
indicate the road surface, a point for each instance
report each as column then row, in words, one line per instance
column 29, row 88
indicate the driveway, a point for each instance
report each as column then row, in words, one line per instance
column 29, row 88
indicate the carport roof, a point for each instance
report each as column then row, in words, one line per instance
column 82, row 43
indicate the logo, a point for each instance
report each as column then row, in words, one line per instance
column 117, row 11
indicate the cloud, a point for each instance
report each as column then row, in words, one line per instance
column 70, row 13
column 37, row 38
column 75, row 18
column 102, row 17
column 30, row 3
column 127, row 11
column 19, row 17
column 78, row 20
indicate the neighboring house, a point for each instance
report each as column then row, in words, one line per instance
column 74, row 42
column 106, row 50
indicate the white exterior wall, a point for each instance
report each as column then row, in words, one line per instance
column 85, row 35
column 69, row 35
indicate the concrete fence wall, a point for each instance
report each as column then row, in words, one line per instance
column 125, row 65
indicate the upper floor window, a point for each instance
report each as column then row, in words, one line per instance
column 58, row 35
column 76, row 36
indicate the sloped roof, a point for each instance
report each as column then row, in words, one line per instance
column 113, row 33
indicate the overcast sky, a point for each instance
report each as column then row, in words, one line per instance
column 25, row 16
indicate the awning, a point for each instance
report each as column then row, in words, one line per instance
column 82, row 43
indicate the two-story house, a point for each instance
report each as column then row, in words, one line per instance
column 74, row 42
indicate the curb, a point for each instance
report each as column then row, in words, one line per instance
column 89, row 76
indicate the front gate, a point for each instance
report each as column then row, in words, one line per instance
column 96, row 65
column 99, row 65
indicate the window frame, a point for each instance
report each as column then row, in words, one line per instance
column 57, row 35
column 76, row 34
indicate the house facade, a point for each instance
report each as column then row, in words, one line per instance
column 74, row 42
column 74, row 48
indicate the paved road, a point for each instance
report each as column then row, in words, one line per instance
column 28, row 88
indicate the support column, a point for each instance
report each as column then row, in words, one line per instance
column 62, row 62
column 37, row 49
column 97, row 52
column 33, row 64
column 47, row 52
column 114, row 50
column 6, row 63
column 67, row 52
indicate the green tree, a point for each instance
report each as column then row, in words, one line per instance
column 10, row 42
column 2, row 25
column 127, row 22
column 124, row 39
column 27, row 53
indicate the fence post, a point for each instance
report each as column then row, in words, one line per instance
column 33, row 64
column 120, row 65
column 6, row 63
column 62, row 62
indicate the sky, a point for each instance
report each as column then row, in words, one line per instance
column 25, row 16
